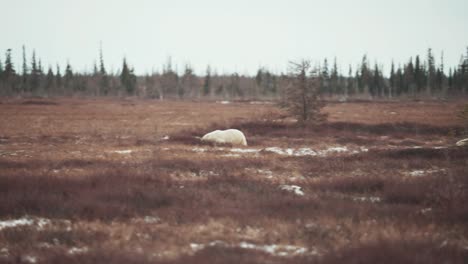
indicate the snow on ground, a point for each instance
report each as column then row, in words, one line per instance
column 77, row 250
column 372, row 199
column 244, row 150
column 197, row 149
column 267, row 173
column 420, row 173
column 5, row 252
column 292, row 188
column 276, row 250
column 310, row 152
column 25, row 221
column 127, row 151
column 297, row 152
column 29, row 259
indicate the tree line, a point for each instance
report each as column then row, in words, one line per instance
column 416, row 78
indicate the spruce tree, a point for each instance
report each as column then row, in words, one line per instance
column 392, row 80
column 303, row 94
column 207, row 82
column 49, row 81
column 188, row 82
column 334, row 79
column 58, row 78
column 127, row 78
column 9, row 73
column 9, row 68
column 34, row 78
column 68, row 78
column 431, row 72
column 350, row 84
column 259, row 81
column 324, row 77
column 366, row 76
column 24, row 79
column 104, row 78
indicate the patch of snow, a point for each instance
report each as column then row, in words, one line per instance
column 231, row 155
column 29, row 259
column 196, row 246
column 244, row 150
column 40, row 222
column 260, row 102
column 420, row 173
column 273, row 249
column 166, row 137
column 127, row 151
column 223, row 102
column 416, row 173
column 152, row 219
column 77, row 250
column 426, row 210
column 310, row 152
column 267, row 173
column 292, row 188
column 372, row 199
column 4, row 252
column 205, row 173
column 305, row 152
column 335, row 149
column 440, row 147
column 196, row 149
column 462, row 142
column 280, row 151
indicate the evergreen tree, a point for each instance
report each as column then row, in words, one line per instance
column 418, row 75
column 324, row 77
column 50, row 81
column 188, row 83
column 334, row 79
column 392, row 80
column 409, row 82
column 350, row 83
column 234, row 86
column 104, row 78
column 303, row 94
column 9, row 73
column 365, row 76
column 24, row 79
column 258, row 81
column 431, row 72
column 68, row 78
column 58, row 78
column 207, row 82
column 128, row 78
column 399, row 81
column 34, row 79
column 375, row 88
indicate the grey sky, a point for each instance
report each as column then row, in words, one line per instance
column 236, row 35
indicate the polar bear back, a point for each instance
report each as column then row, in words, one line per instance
column 230, row 136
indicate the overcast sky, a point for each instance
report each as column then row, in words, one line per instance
column 236, row 35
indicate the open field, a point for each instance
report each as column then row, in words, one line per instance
column 127, row 181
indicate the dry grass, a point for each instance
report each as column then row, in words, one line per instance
column 114, row 190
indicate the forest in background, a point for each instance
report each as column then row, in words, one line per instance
column 418, row 77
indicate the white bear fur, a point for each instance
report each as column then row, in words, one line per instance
column 230, row 136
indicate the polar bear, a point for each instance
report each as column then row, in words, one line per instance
column 229, row 136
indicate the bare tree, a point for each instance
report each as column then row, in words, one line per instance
column 302, row 98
